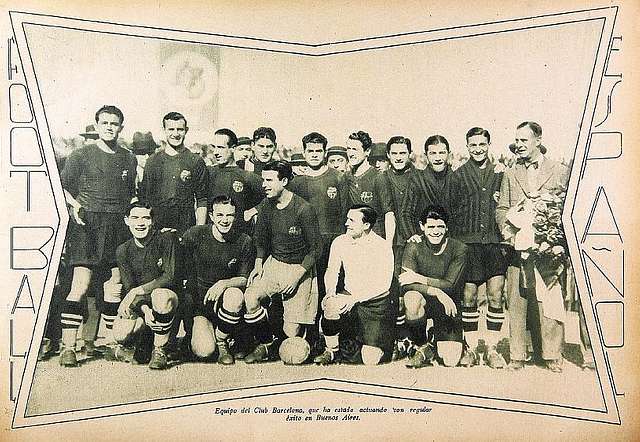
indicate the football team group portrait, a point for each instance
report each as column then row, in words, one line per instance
column 333, row 251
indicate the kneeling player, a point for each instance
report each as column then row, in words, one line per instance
column 367, row 260
column 147, row 270
column 221, row 259
column 432, row 283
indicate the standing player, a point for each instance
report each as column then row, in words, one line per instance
column 222, row 258
column 474, row 194
column 323, row 188
column 287, row 242
column 99, row 183
column 175, row 180
column 396, row 179
column 364, row 185
column 432, row 282
column 431, row 186
column 264, row 147
column 226, row 178
column 147, row 265
column 367, row 260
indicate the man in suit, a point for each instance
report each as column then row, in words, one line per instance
column 532, row 174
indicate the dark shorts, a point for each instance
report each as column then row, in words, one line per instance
column 95, row 243
column 445, row 328
column 174, row 217
column 208, row 310
column 371, row 322
column 485, row 262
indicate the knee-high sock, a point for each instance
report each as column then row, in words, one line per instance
column 417, row 330
column 495, row 318
column 227, row 323
column 470, row 318
column 258, row 322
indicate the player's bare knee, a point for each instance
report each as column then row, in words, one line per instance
column 331, row 307
column 233, row 299
column 470, row 295
column 251, row 300
column 291, row 329
column 413, row 301
column 163, row 300
column 371, row 355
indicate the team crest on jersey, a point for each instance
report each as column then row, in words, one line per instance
column 237, row 186
column 185, row 175
column 295, row 230
column 232, row 263
column 332, row 192
column 159, row 263
column 125, row 174
column 366, row 197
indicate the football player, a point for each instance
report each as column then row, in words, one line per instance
column 287, row 242
column 222, row 258
column 432, row 279
column 226, row 178
column 475, row 194
column 99, row 182
column 147, row 264
column 367, row 260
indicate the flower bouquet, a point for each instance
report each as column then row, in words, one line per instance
column 539, row 236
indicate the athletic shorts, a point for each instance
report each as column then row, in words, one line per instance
column 208, row 310
column 300, row 308
column 445, row 328
column 95, row 243
column 485, row 262
column 174, row 217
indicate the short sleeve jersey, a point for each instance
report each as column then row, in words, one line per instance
column 100, row 181
column 213, row 260
column 177, row 180
column 326, row 194
column 155, row 261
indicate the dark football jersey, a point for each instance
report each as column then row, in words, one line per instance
column 213, row 260
column 178, row 180
column 326, row 194
column 290, row 234
column 156, row 261
column 370, row 189
column 397, row 182
column 100, row 181
column 244, row 188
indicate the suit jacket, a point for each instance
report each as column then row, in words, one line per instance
column 515, row 185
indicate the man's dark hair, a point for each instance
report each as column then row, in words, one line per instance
column 219, row 199
column 399, row 140
column 264, row 132
column 282, row 167
column 369, row 214
column 314, row 137
column 232, row 138
column 436, row 139
column 139, row 205
column 110, row 109
column 434, row 212
column 174, row 116
column 363, row 137
column 535, row 127
column 478, row 131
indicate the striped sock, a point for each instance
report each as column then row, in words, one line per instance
column 109, row 313
column 162, row 322
column 71, row 316
column 228, row 321
column 258, row 322
column 470, row 318
column 495, row 318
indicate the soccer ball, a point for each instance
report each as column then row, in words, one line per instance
column 294, row 351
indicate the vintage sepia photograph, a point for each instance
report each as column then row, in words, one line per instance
column 262, row 219
column 240, row 218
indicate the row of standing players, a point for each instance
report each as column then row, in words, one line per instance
column 289, row 253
